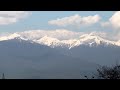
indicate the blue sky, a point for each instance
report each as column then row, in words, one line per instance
column 39, row 20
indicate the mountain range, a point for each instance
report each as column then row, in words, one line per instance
column 55, row 54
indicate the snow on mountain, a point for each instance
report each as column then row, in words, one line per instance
column 48, row 41
column 118, row 43
column 92, row 38
column 62, row 38
column 11, row 36
column 87, row 39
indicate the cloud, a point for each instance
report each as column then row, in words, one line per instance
column 105, row 24
column 58, row 33
column 115, row 20
column 9, row 17
column 114, row 24
column 75, row 20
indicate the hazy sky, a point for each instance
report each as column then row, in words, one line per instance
column 12, row 21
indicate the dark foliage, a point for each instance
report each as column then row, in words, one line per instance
column 106, row 72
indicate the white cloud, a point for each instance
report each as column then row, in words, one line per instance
column 9, row 17
column 75, row 20
column 115, row 20
column 58, row 33
column 114, row 23
column 105, row 24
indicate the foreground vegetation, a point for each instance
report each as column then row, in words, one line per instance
column 105, row 72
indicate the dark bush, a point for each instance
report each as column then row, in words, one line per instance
column 106, row 72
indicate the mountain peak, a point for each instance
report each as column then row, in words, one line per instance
column 90, row 37
column 69, row 38
column 48, row 41
column 11, row 36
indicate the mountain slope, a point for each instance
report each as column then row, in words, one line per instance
column 25, row 59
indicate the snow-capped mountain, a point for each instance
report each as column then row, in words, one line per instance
column 59, row 38
column 85, row 39
column 26, row 53
column 23, row 59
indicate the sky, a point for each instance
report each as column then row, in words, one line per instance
column 107, row 22
column 17, row 21
column 78, row 21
